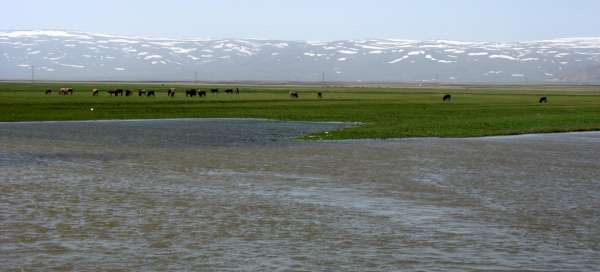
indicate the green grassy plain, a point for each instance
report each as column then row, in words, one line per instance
column 385, row 112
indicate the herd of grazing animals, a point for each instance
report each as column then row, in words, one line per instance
column 195, row 92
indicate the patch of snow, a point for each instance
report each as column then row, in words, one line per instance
column 153, row 57
column 33, row 52
column 398, row 60
column 342, row 59
column 123, row 41
column 414, row 53
column 180, row 50
column 518, row 75
column 502, row 57
column 71, row 65
column 347, row 52
column 478, row 54
column 375, row 52
column 119, row 69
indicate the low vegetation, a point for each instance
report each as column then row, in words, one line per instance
column 384, row 112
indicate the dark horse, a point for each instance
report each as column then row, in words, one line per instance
column 202, row 93
column 543, row 100
column 151, row 93
column 447, row 98
column 237, row 91
column 48, row 91
column 214, row 91
column 294, row 94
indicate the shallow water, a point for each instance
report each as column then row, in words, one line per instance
column 245, row 195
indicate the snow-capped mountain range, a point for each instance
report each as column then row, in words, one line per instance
column 67, row 55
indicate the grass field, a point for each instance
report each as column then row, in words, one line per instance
column 385, row 112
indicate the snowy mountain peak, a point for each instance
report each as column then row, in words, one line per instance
column 57, row 54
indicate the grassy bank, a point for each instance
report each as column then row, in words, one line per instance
column 386, row 112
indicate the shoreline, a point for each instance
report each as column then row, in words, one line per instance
column 308, row 136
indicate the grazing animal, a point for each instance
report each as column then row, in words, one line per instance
column 128, row 93
column 229, row 91
column 214, row 91
column 294, row 94
column 202, row 93
column 237, row 91
column 119, row 92
column 151, row 93
column 95, row 92
column 543, row 100
column 447, row 98
column 111, row 92
column 48, row 91
column 320, row 95
column 142, row 92
column 191, row 92
column 66, row 91
column 171, row 91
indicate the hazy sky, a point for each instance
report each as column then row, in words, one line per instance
column 318, row 20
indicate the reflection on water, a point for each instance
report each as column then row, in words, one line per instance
column 244, row 195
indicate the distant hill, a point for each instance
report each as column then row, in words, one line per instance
column 64, row 55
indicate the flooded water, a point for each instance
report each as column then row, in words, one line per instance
column 231, row 195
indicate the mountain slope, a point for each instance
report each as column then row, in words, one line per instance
column 63, row 55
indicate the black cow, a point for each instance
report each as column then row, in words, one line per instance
column 543, row 100
column 119, row 92
column 171, row 92
column 48, row 91
column 95, row 92
column 111, row 92
column 151, row 93
column 229, row 91
column 191, row 92
column 320, row 95
column 202, row 93
column 128, row 93
column 447, row 98
column 141, row 92
column 214, row 91
column 237, row 91
column 294, row 94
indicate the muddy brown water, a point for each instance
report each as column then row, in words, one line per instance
column 245, row 195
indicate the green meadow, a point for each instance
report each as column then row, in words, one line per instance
column 383, row 112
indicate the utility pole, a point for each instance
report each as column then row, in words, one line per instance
column 32, row 73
